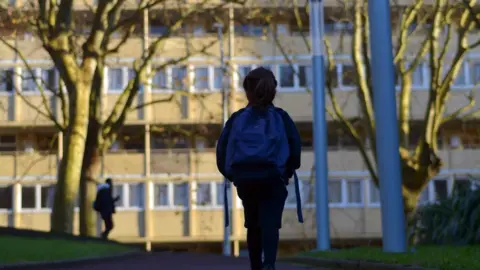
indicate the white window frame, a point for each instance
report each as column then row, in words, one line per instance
column 171, row 197
column 362, row 192
column 123, row 83
column 212, row 79
column 168, row 81
column 188, row 76
column 4, row 210
column 14, row 81
column 369, row 185
column 210, row 71
column 40, row 78
column 126, row 197
column 37, row 73
column 297, row 76
column 340, row 85
column 195, row 191
column 38, row 199
column 466, row 72
column 296, row 81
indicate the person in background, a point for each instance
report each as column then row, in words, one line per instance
column 259, row 150
column 105, row 205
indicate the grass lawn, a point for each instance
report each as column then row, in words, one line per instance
column 15, row 249
column 439, row 257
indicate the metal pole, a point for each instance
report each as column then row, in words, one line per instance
column 393, row 222
column 226, row 231
column 322, row 213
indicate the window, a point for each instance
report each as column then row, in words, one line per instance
column 159, row 80
column 201, row 78
column 179, row 76
column 287, row 75
column 335, row 191
column 115, row 79
column 204, row 194
column 461, row 79
column 6, row 197
column 6, row 80
column 475, row 70
column 348, row 75
column 354, row 191
column 305, row 76
column 242, row 73
column 282, row 29
column 221, row 194
column 199, row 30
column 417, row 75
column 180, row 194
column 461, row 185
column 441, row 189
column 28, row 80
column 47, row 196
column 131, row 74
column 161, row 197
column 28, row 197
column 8, row 143
column 135, row 195
column 118, row 191
column 424, row 197
column 217, row 77
column 374, row 193
column 49, row 80
column 158, row 30
column 307, row 191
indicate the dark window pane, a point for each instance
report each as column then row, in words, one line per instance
column 161, row 195
column 441, row 189
column 6, row 196
column 287, row 75
column 348, row 76
column 204, row 194
column 179, row 76
column 180, row 194
column 47, row 193
column 28, row 197
column 6, row 80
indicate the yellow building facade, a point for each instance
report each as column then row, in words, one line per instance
column 171, row 191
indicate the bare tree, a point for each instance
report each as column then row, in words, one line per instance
column 437, row 34
column 80, row 62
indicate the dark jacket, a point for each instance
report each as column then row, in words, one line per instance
column 292, row 135
column 104, row 202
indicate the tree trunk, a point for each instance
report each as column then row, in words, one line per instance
column 68, row 178
column 90, row 172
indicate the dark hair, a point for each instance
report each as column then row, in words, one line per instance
column 108, row 181
column 260, row 86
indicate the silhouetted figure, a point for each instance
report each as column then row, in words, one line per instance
column 259, row 150
column 105, row 205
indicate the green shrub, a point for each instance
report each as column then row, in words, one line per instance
column 455, row 220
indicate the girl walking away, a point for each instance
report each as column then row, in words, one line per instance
column 259, row 150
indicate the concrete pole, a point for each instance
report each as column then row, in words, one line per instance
column 322, row 212
column 389, row 172
column 226, row 231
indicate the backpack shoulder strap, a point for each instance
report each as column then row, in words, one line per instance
column 296, row 181
column 297, row 196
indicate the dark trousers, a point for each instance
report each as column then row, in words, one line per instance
column 263, row 209
column 108, row 221
column 265, row 240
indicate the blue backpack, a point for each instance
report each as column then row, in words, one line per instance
column 258, row 151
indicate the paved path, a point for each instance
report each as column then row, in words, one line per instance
column 178, row 261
